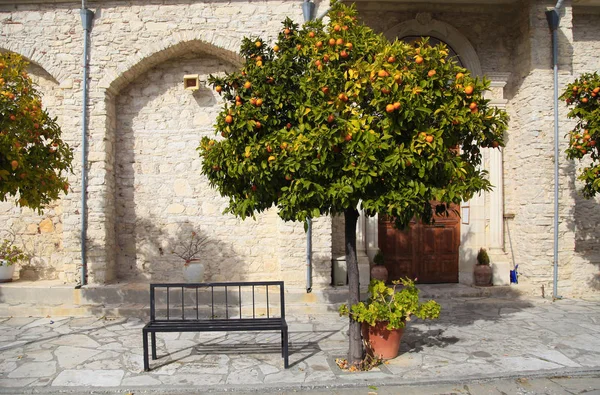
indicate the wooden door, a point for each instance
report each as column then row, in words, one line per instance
column 428, row 253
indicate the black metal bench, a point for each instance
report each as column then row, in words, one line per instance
column 216, row 307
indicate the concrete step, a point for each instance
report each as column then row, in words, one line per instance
column 52, row 298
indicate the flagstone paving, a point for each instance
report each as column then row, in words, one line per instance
column 474, row 338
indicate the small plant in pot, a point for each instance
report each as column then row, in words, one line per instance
column 482, row 274
column 10, row 254
column 378, row 270
column 385, row 314
column 188, row 249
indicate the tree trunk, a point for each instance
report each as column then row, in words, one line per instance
column 355, row 352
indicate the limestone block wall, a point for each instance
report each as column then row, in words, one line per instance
column 144, row 187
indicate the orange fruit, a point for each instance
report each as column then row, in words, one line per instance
column 389, row 108
column 431, row 73
column 228, row 119
column 247, row 85
column 418, row 59
column 468, row 90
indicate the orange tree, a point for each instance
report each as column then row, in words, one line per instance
column 334, row 117
column 584, row 95
column 34, row 159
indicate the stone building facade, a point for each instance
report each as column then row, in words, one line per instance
column 145, row 191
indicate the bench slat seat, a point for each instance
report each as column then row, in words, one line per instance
column 181, row 305
column 232, row 324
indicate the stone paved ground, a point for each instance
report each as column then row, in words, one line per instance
column 474, row 339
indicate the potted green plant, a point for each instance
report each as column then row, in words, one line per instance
column 9, row 255
column 378, row 270
column 482, row 274
column 385, row 314
column 188, row 250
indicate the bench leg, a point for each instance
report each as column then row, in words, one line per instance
column 153, row 336
column 145, row 342
column 284, row 347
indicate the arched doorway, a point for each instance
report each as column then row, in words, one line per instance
column 427, row 253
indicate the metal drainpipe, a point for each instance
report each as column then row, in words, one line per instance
column 553, row 19
column 87, row 16
column 308, row 8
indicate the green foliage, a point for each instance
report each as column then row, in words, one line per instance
column 482, row 257
column 333, row 115
column 583, row 95
column 378, row 258
column 10, row 252
column 385, row 304
column 34, row 159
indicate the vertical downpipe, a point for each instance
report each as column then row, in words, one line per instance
column 553, row 21
column 87, row 16
column 308, row 8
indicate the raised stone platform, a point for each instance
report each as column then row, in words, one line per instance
column 41, row 298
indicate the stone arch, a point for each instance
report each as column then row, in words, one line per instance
column 176, row 45
column 425, row 25
column 36, row 58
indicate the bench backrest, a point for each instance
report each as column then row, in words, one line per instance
column 223, row 300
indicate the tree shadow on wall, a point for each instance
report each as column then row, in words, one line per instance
column 583, row 221
column 152, row 254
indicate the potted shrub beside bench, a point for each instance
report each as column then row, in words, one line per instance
column 385, row 314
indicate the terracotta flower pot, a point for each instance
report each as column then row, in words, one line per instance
column 381, row 342
column 482, row 275
column 379, row 272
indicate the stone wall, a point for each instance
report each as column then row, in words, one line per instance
column 144, row 183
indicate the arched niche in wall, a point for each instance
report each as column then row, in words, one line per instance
column 425, row 26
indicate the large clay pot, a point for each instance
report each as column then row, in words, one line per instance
column 381, row 342
column 379, row 272
column 6, row 271
column 193, row 271
column 482, row 275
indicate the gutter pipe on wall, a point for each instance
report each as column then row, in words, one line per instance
column 87, row 16
column 308, row 8
column 553, row 19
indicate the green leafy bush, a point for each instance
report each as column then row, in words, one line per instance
column 584, row 95
column 386, row 304
column 482, row 257
column 10, row 252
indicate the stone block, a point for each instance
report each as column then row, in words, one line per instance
column 501, row 273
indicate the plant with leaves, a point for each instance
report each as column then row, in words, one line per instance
column 583, row 95
column 34, row 160
column 483, row 257
column 385, row 304
column 10, row 253
column 333, row 117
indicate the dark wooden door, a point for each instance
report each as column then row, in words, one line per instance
column 428, row 253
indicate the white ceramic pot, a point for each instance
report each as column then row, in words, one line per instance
column 193, row 272
column 6, row 271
